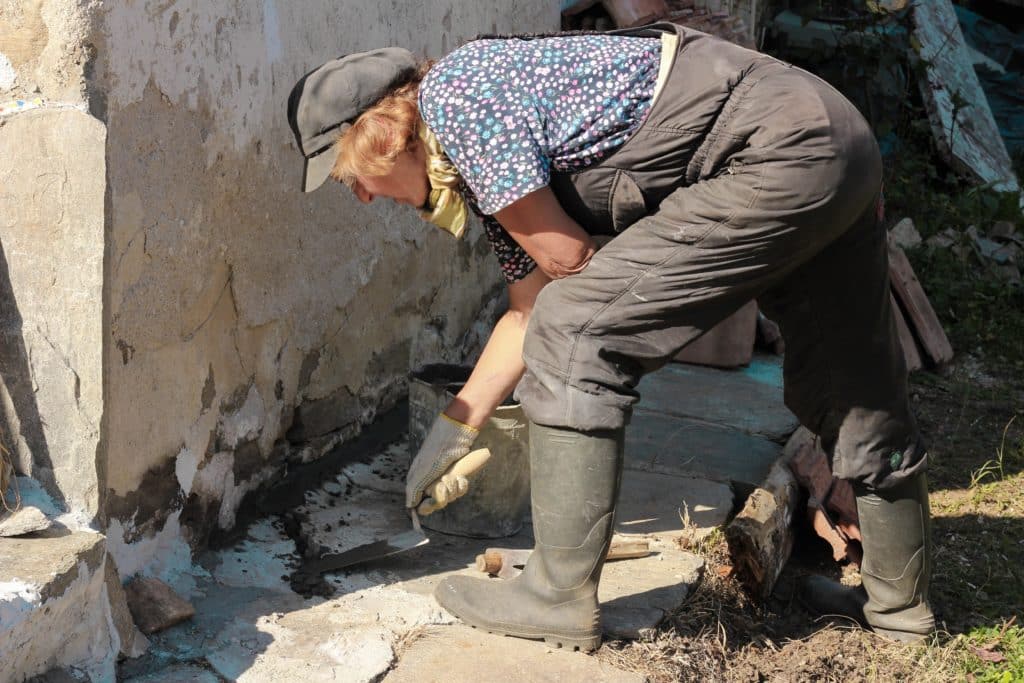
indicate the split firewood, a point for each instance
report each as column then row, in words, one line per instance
column 760, row 537
column 507, row 562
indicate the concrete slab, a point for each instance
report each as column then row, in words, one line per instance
column 342, row 515
column 50, row 565
column 636, row 594
column 301, row 646
column 53, row 606
column 659, row 442
column 657, row 504
column 748, row 399
column 445, row 655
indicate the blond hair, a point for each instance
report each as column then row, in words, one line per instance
column 382, row 132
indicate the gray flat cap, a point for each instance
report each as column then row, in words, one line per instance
column 332, row 96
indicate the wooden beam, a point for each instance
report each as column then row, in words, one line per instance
column 918, row 310
column 911, row 354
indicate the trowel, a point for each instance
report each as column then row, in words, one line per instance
column 407, row 540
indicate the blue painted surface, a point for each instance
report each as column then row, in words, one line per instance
column 33, row 494
column 766, row 370
column 748, row 400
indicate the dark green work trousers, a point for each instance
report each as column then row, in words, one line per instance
column 749, row 179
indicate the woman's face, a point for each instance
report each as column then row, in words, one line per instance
column 406, row 183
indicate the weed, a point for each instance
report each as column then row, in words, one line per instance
column 994, row 468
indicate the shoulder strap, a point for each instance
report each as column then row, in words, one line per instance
column 647, row 31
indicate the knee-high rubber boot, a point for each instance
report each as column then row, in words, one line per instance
column 893, row 597
column 574, row 480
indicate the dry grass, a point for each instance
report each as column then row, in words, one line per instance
column 977, row 586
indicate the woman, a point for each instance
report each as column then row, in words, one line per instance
column 723, row 175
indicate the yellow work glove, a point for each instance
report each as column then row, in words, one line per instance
column 448, row 441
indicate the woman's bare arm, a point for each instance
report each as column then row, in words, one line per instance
column 561, row 248
column 548, row 234
column 501, row 364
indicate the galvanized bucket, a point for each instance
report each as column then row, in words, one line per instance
column 499, row 496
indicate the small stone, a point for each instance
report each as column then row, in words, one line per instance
column 946, row 238
column 155, row 606
column 905, row 235
column 1003, row 230
column 25, row 521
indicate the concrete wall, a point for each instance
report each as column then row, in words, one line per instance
column 247, row 325
column 51, row 282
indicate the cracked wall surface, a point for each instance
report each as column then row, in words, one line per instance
column 51, row 282
column 246, row 325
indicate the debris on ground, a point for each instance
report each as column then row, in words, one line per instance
column 961, row 119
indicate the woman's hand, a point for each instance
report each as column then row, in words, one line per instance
column 448, row 441
column 542, row 227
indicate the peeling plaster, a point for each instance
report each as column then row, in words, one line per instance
column 185, row 467
column 164, row 555
column 8, row 76
column 17, row 600
column 243, row 424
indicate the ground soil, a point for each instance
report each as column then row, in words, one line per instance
column 978, row 580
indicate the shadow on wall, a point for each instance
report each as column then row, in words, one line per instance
column 16, row 376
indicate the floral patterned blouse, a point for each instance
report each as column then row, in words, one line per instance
column 509, row 112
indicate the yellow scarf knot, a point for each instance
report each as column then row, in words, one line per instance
column 446, row 207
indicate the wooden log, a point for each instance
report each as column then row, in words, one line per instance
column 760, row 537
column 918, row 310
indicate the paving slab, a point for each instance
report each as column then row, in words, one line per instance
column 653, row 503
column 637, row 594
column 249, row 625
column 659, row 442
column 459, row 653
column 303, row 645
column 749, row 399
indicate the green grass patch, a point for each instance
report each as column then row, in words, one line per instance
column 991, row 654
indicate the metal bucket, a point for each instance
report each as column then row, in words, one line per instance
column 499, row 496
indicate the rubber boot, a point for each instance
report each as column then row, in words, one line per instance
column 574, row 480
column 893, row 597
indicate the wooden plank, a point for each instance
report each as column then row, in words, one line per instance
column 919, row 312
column 960, row 117
column 911, row 354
